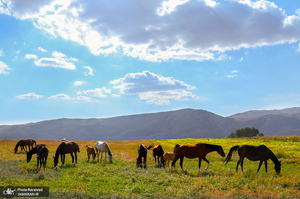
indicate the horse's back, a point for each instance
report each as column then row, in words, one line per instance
column 189, row 151
column 254, row 153
column 101, row 146
column 158, row 150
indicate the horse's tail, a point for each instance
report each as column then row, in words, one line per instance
column 176, row 146
column 233, row 149
column 149, row 147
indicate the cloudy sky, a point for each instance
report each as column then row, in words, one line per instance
column 97, row 59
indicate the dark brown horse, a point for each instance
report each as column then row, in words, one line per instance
column 254, row 153
column 22, row 144
column 31, row 143
column 33, row 151
column 142, row 150
column 42, row 155
column 63, row 148
column 195, row 151
column 159, row 152
column 90, row 151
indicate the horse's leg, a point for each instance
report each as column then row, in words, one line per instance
column 72, row 157
column 237, row 165
column 266, row 165
column 88, row 157
column 101, row 156
column 173, row 162
column 62, row 156
column 260, row 163
column 76, row 157
column 105, row 157
column 181, row 161
column 97, row 154
column 206, row 160
column 45, row 163
column 242, row 165
column 199, row 165
column 145, row 162
column 155, row 159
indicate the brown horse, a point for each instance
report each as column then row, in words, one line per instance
column 142, row 151
column 63, row 148
column 254, row 153
column 195, row 151
column 31, row 143
column 168, row 156
column 90, row 151
column 33, row 151
column 42, row 155
column 159, row 152
column 22, row 144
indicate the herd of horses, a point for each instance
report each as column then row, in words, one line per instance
column 254, row 153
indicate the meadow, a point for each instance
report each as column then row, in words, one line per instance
column 122, row 179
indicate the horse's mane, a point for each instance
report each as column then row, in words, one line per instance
column 109, row 152
column 212, row 147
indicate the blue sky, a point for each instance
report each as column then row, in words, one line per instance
column 98, row 59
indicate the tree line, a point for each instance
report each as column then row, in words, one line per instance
column 245, row 132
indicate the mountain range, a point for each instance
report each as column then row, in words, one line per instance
column 184, row 123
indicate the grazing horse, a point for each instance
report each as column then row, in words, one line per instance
column 168, row 156
column 33, row 151
column 42, row 155
column 63, row 148
column 22, row 144
column 199, row 150
column 31, row 143
column 159, row 152
column 90, row 151
column 254, row 153
column 102, row 147
column 142, row 151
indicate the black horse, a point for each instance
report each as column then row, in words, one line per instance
column 142, row 150
column 254, row 153
column 63, row 148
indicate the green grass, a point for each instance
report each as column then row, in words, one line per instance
column 122, row 179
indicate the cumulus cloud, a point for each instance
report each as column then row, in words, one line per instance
column 4, row 68
column 42, row 49
column 79, row 83
column 154, row 88
column 89, row 71
column 29, row 96
column 161, row 30
column 85, row 99
column 1, row 53
column 60, row 97
column 98, row 92
column 58, row 60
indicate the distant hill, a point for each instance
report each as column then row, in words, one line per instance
column 185, row 123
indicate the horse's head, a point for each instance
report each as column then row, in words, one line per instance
column 110, row 157
column 278, row 168
column 28, row 157
column 221, row 152
column 55, row 161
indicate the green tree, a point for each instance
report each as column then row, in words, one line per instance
column 245, row 132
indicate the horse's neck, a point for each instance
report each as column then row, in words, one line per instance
column 274, row 158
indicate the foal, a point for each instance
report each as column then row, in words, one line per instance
column 90, row 151
column 169, row 156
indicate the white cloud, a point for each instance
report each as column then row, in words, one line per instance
column 58, row 60
column 42, row 49
column 4, row 68
column 154, row 88
column 98, row 92
column 29, row 96
column 233, row 73
column 85, row 99
column 60, row 97
column 89, row 72
column 1, row 53
column 79, row 83
column 31, row 56
column 162, row 30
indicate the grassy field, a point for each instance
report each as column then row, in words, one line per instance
column 122, row 179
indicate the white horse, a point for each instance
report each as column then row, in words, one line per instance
column 102, row 147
